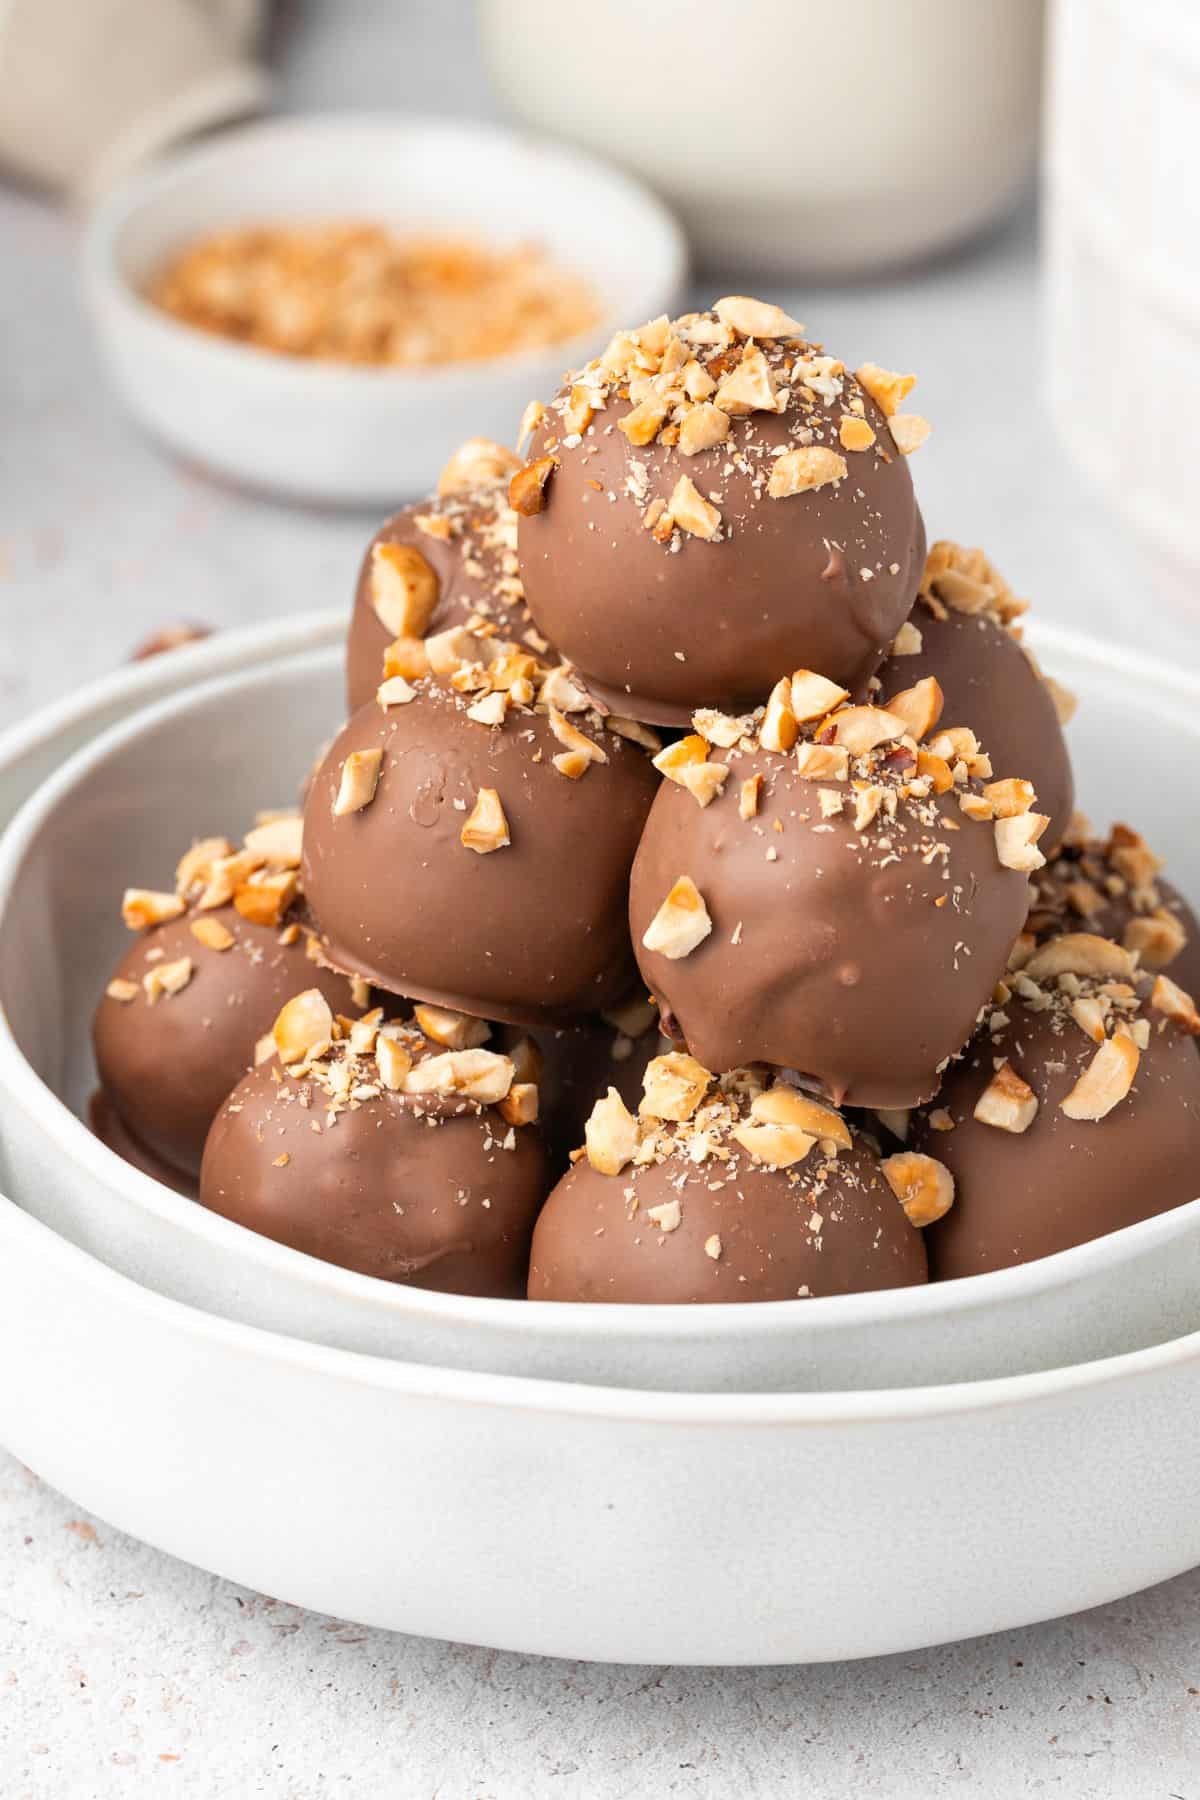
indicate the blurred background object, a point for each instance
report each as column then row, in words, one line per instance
column 88, row 88
column 1123, row 262
column 826, row 138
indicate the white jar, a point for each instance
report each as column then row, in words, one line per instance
column 804, row 137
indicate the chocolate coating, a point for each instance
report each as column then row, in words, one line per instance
column 1062, row 1181
column 859, row 964
column 657, row 630
column 783, row 1233
column 382, row 1191
column 990, row 685
column 107, row 1124
column 535, row 932
column 166, row 1068
column 1084, row 888
column 476, row 570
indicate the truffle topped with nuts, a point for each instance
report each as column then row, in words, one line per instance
column 214, row 959
column 965, row 631
column 442, row 563
column 469, row 842
column 406, row 1150
column 832, row 888
column 1074, row 1111
column 1114, row 887
column 715, row 499
column 730, row 1189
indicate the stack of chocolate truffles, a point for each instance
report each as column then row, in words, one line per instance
column 691, row 907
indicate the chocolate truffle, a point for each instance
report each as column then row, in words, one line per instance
column 715, row 500
column 962, row 632
column 436, row 565
column 474, row 848
column 1075, row 1110
column 842, row 910
column 384, row 1153
column 188, row 1002
column 106, row 1123
column 1114, row 887
column 730, row 1191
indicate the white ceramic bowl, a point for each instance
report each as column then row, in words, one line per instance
column 324, row 431
column 208, row 758
column 581, row 1521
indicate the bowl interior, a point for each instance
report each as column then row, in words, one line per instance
column 118, row 814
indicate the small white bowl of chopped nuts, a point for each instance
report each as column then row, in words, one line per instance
column 323, row 308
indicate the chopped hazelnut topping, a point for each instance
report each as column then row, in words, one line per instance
column 923, row 1185
column 491, row 710
column 854, row 433
column 777, row 1145
column 1168, row 998
column 1155, row 938
column 571, row 738
column 799, row 471
column 304, row 1026
column 812, row 695
column 212, row 934
column 479, row 463
column 531, row 418
column 642, row 424
column 920, row 707
column 908, row 640
column 1010, row 797
column 712, row 1247
column 748, row 797
column 749, row 387
column 520, row 1105
column 485, row 828
column 480, row 1075
column 143, row 907
column 195, row 864
column 167, row 978
column 452, row 1030
column 1007, row 1102
column 266, row 896
column 1090, row 1013
column 782, row 1105
column 701, row 427
column 278, row 840
column 527, row 489
column 886, row 389
column 611, row 1135
column 909, row 431
column 122, row 990
column 406, row 659
column 936, row 769
column 393, row 1060
column 395, row 691
column 681, row 922
column 1080, row 953
column 359, row 780
column 691, row 511
column 668, row 1215
column 572, row 763
column 1016, row 841
column 673, row 1086
column 756, row 318
column 860, row 729
column 780, row 728
column 403, row 588
column 1106, row 1080
column 822, row 762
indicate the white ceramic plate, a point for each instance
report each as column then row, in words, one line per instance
column 326, row 431
column 578, row 1521
column 204, row 762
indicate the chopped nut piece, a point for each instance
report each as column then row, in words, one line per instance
column 610, row 1135
column 691, row 511
column 1090, row 1013
column 527, row 489
column 886, row 389
column 403, row 588
column 635, row 731
column 1168, row 998
column 909, row 431
column 642, row 423
column 668, row 1215
column 167, row 978
column 854, row 433
column 478, row 463
column 485, row 828
column 393, row 1060
column 782, row 1105
column 1007, row 1102
column 894, row 1119
column 453, row 1030
column 712, row 1247
column 702, row 426
column 491, row 710
column 822, row 762
column 681, row 922
column 520, row 1105
column 1010, row 797
column 212, row 934
column 571, row 738
column 1105, row 1082
column 685, row 752
column 279, row 841
column 863, row 728
column 395, row 691
column 937, row 769
column 1016, row 841
column 406, row 659
column 748, row 796
column 812, row 696
column 920, row 707
column 531, row 418
column 703, row 781
column 195, row 864
column 673, row 1086
column 750, row 387
column 777, row 1145
column 798, row 471
column 756, row 318
column 265, row 897
column 976, row 806
column 143, row 907
column 122, row 990
column 923, row 1185
column 359, row 780
column 868, row 801
column 361, row 1034
column 908, row 640
column 527, row 1061
column 779, row 729
column 1155, row 938
column 303, row 1027
column 481, row 1075
column 580, row 410
column 1080, row 953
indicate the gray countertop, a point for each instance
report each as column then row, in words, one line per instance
column 120, row 1667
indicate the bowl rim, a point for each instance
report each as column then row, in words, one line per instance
column 65, row 1136
column 110, row 292
column 23, row 1236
